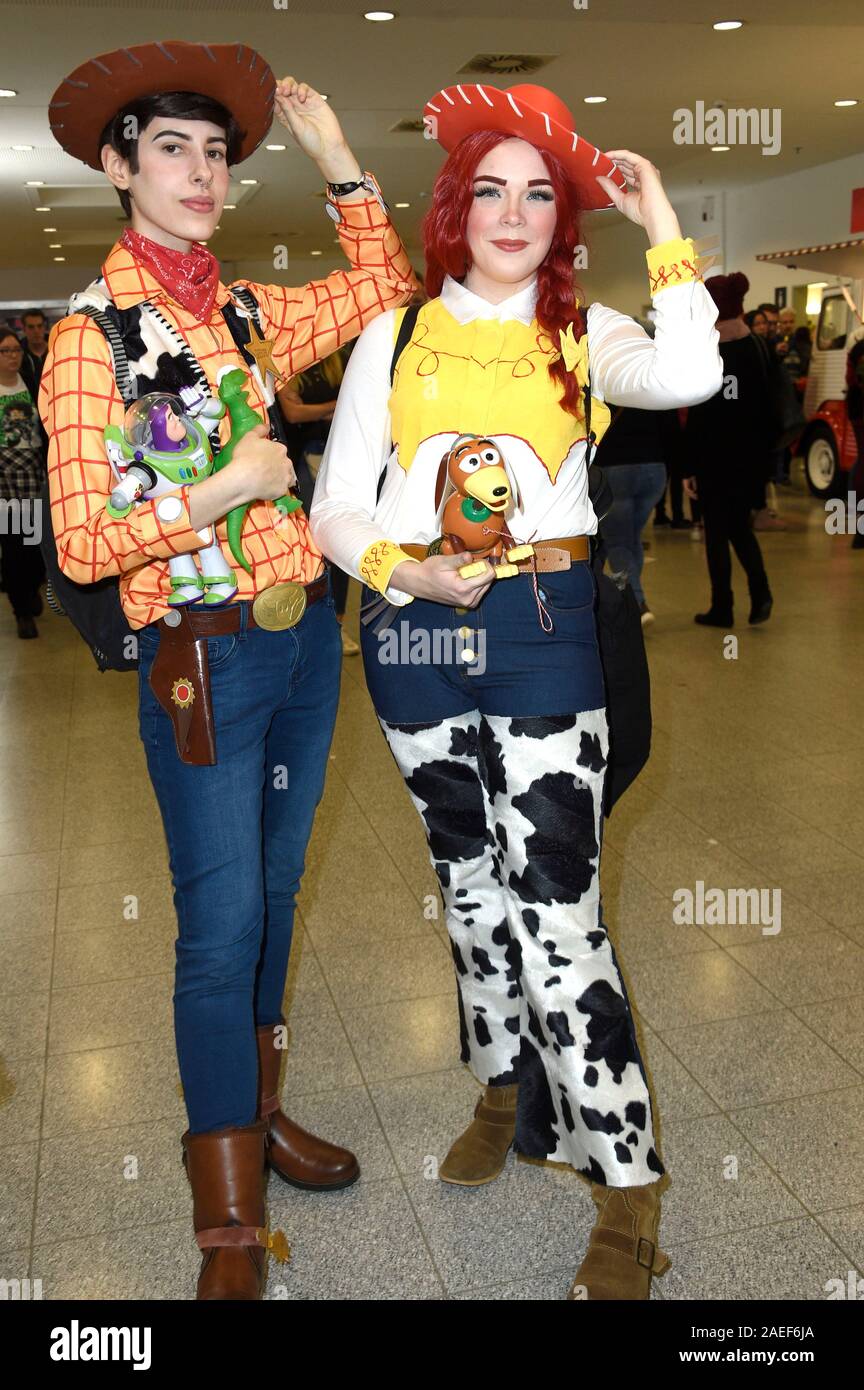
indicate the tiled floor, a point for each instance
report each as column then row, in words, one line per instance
column 755, row 1043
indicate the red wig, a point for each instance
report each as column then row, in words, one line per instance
column 447, row 251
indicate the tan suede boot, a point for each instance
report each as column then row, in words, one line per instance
column 622, row 1249
column 479, row 1154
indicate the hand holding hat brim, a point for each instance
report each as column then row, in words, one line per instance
column 309, row 117
column 644, row 201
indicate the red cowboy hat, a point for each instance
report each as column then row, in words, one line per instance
column 92, row 95
column 532, row 113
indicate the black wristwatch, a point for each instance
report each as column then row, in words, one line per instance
column 341, row 190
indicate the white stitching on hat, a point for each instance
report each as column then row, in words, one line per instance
column 487, row 100
column 513, row 104
column 164, row 51
column 447, row 97
column 596, row 157
column 575, row 141
column 433, row 107
column 546, row 122
column 467, row 100
column 207, row 49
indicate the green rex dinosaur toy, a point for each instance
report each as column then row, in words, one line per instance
column 233, row 388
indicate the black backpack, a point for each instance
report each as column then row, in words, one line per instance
column 95, row 610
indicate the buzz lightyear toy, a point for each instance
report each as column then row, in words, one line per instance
column 163, row 446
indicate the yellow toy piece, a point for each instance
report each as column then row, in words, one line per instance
column 505, row 571
column 519, row 552
column 472, row 570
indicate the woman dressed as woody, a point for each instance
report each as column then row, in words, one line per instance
column 459, row 496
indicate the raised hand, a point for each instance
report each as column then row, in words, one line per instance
column 644, row 201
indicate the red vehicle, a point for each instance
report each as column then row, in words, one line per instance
column 827, row 443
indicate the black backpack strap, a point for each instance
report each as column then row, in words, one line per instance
column 238, row 327
column 403, row 337
column 248, row 300
column 599, row 492
column 108, row 320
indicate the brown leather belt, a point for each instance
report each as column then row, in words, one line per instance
column 180, row 674
column 550, row 555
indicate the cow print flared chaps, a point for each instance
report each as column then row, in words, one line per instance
column 512, row 813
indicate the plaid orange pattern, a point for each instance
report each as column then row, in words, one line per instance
column 78, row 397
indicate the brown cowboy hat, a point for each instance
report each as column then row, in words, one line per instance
column 92, row 95
column 532, row 113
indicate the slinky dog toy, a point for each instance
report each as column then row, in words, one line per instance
column 473, row 520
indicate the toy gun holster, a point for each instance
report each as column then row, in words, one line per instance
column 180, row 680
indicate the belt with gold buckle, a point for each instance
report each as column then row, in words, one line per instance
column 283, row 605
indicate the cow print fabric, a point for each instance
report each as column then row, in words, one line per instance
column 512, row 813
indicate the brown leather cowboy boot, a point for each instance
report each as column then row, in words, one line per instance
column 300, row 1158
column 479, row 1154
column 225, row 1168
column 622, row 1249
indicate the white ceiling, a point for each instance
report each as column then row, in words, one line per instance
column 791, row 54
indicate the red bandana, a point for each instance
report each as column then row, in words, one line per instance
column 191, row 277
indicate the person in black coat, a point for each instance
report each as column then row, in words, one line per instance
column 727, row 438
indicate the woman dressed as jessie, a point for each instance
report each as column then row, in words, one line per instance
column 500, row 733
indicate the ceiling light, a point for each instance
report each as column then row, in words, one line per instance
column 728, row 24
column 59, row 258
column 316, row 253
column 55, row 246
column 275, row 147
column 35, row 183
column 590, row 101
column 402, row 205
column 42, row 209
column 719, row 149
column 7, row 92
column 21, row 148
column 847, row 101
column 379, row 16
column 229, row 207
column 249, row 181
column 49, row 229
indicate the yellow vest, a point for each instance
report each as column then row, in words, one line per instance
column 485, row 378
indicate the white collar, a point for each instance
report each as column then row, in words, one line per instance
column 464, row 305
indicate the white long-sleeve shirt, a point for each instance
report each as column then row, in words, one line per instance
column 680, row 366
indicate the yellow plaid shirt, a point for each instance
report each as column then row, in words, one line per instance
column 78, row 397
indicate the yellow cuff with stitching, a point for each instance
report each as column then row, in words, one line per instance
column 379, row 561
column 672, row 263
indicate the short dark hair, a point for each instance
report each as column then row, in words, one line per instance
column 768, row 308
column 33, row 314
column 186, row 106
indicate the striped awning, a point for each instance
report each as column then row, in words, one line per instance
column 836, row 257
